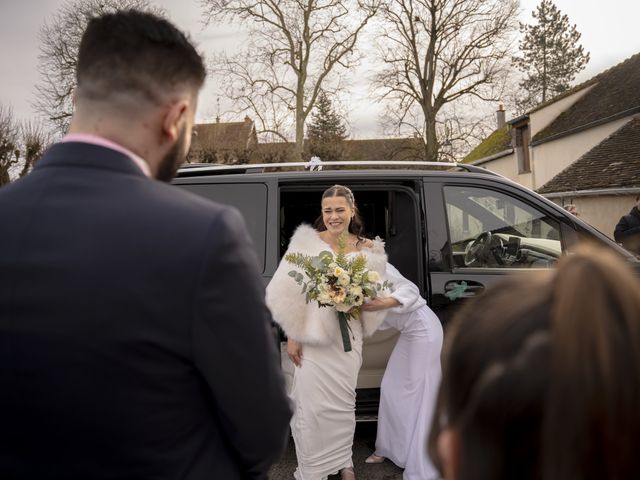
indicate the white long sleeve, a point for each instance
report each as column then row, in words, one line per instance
column 405, row 291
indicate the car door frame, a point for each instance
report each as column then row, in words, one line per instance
column 442, row 274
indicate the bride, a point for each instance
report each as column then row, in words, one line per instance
column 324, row 382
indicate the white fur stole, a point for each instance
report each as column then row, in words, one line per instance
column 307, row 322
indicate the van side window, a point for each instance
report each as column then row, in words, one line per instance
column 250, row 199
column 489, row 229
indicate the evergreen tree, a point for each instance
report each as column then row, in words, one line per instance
column 326, row 131
column 551, row 55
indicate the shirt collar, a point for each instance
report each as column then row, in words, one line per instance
column 103, row 142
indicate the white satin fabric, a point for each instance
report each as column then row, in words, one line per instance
column 323, row 390
column 324, row 395
column 410, row 383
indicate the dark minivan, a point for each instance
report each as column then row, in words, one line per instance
column 451, row 229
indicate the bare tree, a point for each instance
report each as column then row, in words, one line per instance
column 460, row 128
column 9, row 147
column 294, row 50
column 21, row 145
column 436, row 52
column 59, row 42
column 35, row 139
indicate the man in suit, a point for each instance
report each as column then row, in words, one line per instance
column 134, row 338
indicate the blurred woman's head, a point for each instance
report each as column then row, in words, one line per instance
column 339, row 212
column 541, row 376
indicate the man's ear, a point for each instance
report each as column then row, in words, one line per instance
column 449, row 452
column 172, row 119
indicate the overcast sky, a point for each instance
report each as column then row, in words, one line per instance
column 609, row 32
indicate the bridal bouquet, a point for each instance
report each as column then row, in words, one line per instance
column 337, row 281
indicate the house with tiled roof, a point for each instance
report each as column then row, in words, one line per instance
column 223, row 142
column 237, row 142
column 378, row 149
column 581, row 147
column 383, row 149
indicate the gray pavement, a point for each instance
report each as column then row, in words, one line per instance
column 363, row 445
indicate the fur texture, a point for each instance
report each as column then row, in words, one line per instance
column 307, row 322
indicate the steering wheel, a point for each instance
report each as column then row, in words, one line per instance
column 478, row 250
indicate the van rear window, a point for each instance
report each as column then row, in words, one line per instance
column 250, row 199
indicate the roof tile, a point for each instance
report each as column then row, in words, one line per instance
column 616, row 90
column 224, row 136
column 613, row 163
column 498, row 141
column 354, row 150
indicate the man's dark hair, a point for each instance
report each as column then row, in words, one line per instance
column 135, row 52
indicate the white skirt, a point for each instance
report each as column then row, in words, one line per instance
column 324, row 394
column 408, row 395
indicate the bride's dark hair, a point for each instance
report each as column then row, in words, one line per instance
column 356, row 226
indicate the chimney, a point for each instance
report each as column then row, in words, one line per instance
column 500, row 117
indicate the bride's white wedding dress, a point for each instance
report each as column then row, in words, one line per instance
column 324, row 388
column 324, row 395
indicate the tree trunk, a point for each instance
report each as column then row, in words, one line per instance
column 431, row 147
column 430, row 134
column 299, row 148
column 4, row 176
column 299, row 117
column 544, row 70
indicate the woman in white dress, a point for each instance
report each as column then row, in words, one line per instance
column 324, row 382
column 411, row 380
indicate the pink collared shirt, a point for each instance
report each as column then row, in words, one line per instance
column 103, row 142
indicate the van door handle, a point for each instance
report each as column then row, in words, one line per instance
column 462, row 289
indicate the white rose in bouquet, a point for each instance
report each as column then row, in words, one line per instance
column 372, row 276
column 323, row 295
column 343, row 279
